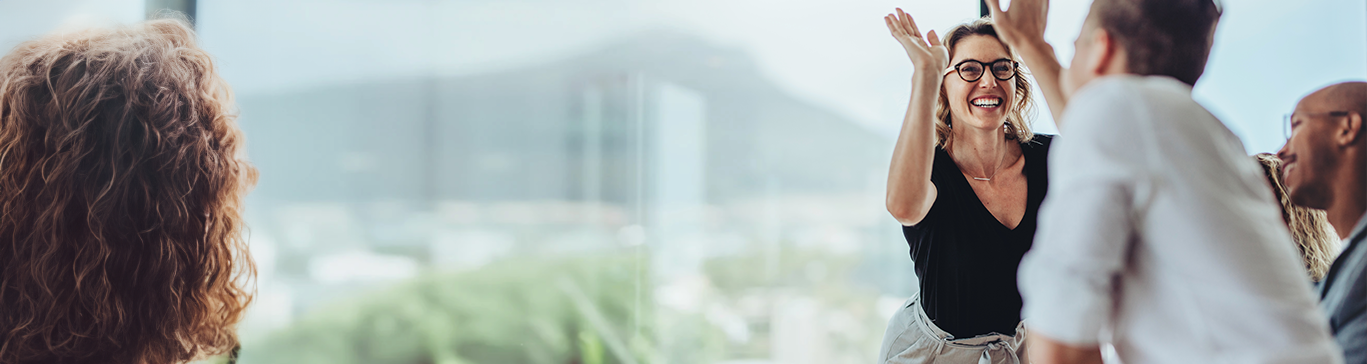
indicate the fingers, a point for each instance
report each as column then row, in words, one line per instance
column 914, row 30
column 893, row 26
column 901, row 20
column 934, row 39
column 996, row 7
column 1039, row 7
column 908, row 23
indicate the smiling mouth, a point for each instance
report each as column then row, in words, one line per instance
column 986, row 102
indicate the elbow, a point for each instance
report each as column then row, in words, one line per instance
column 896, row 211
column 905, row 213
column 910, row 209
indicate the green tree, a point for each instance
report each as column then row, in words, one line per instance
column 538, row 311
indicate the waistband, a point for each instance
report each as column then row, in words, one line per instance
column 997, row 348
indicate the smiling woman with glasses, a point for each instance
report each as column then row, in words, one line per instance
column 966, row 181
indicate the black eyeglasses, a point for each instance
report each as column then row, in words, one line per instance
column 1288, row 127
column 971, row 70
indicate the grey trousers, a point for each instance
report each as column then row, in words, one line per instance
column 912, row 339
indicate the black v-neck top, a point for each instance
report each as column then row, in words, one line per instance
column 965, row 258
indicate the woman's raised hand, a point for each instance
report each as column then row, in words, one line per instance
column 929, row 56
column 910, row 192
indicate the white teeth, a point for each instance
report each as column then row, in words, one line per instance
column 987, row 102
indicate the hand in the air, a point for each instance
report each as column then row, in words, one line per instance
column 1022, row 24
column 924, row 55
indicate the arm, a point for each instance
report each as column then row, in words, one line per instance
column 910, row 192
column 1044, row 350
column 1022, row 27
column 1351, row 332
column 1352, row 336
column 1068, row 278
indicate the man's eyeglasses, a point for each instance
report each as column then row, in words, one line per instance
column 971, row 70
column 1287, row 120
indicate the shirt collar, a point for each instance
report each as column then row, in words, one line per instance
column 1358, row 230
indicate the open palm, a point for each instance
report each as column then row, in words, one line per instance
column 1022, row 23
column 929, row 55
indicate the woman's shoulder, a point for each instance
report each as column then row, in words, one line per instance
column 942, row 164
column 1039, row 142
column 1037, row 154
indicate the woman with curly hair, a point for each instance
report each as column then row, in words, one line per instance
column 1315, row 238
column 122, row 177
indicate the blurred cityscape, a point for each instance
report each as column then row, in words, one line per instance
column 743, row 225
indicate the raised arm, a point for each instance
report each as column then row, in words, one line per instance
column 1022, row 27
column 1068, row 279
column 910, row 193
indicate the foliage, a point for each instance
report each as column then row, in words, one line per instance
column 544, row 311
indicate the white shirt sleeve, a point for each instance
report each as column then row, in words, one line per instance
column 1068, row 278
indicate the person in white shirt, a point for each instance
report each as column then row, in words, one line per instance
column 1158, row 233
column 1326, row 168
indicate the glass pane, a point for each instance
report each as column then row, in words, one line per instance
column 25, row 20
column 611, row 181
column 1267, row 55
column 1256, row 73
column 593, row 181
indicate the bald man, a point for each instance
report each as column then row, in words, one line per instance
column 1326, row 168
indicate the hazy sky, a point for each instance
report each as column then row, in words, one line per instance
column 836, row 54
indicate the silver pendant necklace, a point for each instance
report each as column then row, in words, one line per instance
column 994, row 172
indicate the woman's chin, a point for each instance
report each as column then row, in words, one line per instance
column 984, row 123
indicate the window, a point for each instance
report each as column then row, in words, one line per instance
column 1264, row 60
column 592, row 181
column 612, row 181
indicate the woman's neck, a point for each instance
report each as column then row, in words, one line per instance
column 980, row 152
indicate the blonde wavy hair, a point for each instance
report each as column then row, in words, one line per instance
column 122, row 178
column 1310, row 228
column 1022, row 109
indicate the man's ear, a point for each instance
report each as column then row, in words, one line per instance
column 1103, row 53
column 1350, row 130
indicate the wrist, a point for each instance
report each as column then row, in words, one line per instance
column 928, row 69
column 1036, row 48
column 926, row 75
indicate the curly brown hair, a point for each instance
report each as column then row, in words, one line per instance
column 122, row 178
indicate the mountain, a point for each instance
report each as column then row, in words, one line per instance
column 591, row 127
